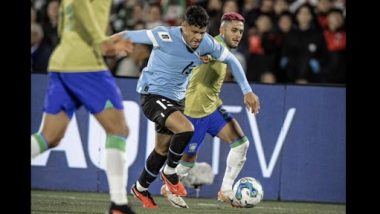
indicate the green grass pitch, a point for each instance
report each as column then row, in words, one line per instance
column 51, row 202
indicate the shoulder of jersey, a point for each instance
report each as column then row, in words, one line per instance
column 165, row 34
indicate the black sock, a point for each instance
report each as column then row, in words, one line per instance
column 178, row 144
column 153, row 164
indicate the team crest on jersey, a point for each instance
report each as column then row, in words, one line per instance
column 165, row 36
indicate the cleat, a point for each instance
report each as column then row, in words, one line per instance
column 227, row 197
column 144, row 197
column 177, row 189
column 120, row 209
column 175, row 200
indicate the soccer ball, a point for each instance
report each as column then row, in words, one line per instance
column 247, row 192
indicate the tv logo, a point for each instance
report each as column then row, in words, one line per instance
column 72, row 144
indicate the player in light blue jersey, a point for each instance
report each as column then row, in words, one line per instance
column 162, row 85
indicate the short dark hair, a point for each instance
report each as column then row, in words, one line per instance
column 196, row 16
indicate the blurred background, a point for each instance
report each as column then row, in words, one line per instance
column 285, row 41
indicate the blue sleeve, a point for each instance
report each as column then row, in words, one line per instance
column 210, row 46
column 140, row 37
column 238, row 73
column 220, row 53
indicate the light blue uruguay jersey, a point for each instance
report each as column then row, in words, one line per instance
column 171, row 61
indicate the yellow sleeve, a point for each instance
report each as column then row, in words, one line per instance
column 86, row 18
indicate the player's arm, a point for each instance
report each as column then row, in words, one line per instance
column 250, row 99
column 222, row 54
column 138, row 36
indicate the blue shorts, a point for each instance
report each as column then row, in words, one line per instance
column 68, row 91
column 211, row 124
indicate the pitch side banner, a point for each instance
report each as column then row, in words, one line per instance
column 297, row 144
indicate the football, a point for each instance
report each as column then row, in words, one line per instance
column 247, row 192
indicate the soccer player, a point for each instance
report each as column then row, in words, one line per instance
column 203, row 107
column 162, row 85
column 78, row 76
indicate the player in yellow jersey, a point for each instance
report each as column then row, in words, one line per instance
column 79, row 76
column 203, row 107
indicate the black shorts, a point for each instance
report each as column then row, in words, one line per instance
column 158, row 108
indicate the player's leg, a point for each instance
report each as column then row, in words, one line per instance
column 232, row 134
column 228, row 130
column 190, row 154
column 58, row 108
column 100, row 95
column 53, row 130
column 167, row 115
column 183, row 131
column 185, row 165
column 113, row 122
column 153, row 164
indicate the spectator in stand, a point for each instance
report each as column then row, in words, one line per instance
column 154, row 17
column 50, row 25
column 304, row 54
column 121, row 14
column 214, row 10
column 284, row 26
column 262, row 50
column 137, row 15
column 173, row 11
column 266, row 6
column 322, row 8
column 33, row 15
column 335, row 36
column 280, row 6
column 230, row 6
column 40, row 51
column 297, row 3
column 249, row 5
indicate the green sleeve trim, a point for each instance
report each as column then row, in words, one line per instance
column 188, row 164
column 239, row 142
column 41, row 142
column 108, row 105
column 115, row 142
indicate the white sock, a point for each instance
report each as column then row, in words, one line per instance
column 139, row 187
column 183, row 168
column 38, row 144
column 235, row 162
column 117, row 175
column 169, row 170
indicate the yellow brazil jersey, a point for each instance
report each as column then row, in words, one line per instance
column 82, row 27
column 202, row 94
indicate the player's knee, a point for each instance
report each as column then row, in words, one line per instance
column 162, row 150
column 186, row 127
column 185, row 136
column 54, row 141
column 119, row 131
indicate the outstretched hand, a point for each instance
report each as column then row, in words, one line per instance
column 205, row 58
column 251, row 100
column 116, row 45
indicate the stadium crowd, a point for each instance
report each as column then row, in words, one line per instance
column 285, row 41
